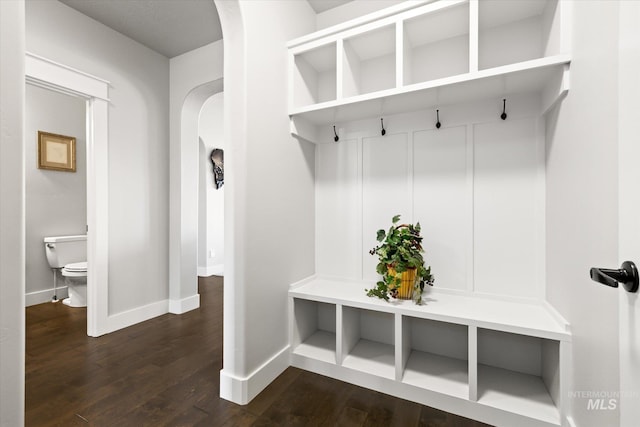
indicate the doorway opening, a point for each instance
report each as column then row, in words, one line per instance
column 211, row 147
column 43, row 73
column 55, row 197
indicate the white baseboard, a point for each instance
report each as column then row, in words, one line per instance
column 136, row 315
column 184, row 305
column 243, row 390
column 211, row 270
column 39, row 297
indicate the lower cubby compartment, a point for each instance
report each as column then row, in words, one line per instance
column 368, row 341
column 435, row 356
column 519, row 374
column 314, row 332
column 499, row 362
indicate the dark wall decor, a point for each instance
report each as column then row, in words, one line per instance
column 217, row 158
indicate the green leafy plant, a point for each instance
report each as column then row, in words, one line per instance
column 401, row 249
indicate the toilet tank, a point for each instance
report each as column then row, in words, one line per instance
column 63, row 250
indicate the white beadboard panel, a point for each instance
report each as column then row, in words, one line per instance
column 338, row 231
column 505, row 210
column 385, row 190
column 440, row 202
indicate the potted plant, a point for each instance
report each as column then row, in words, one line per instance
column 400, row 263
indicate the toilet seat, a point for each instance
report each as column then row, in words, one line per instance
column 75, row 269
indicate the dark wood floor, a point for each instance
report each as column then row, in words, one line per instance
column 165, row 372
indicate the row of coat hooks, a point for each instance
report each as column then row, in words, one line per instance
column 383, row 131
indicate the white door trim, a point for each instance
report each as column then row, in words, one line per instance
column 45, row 73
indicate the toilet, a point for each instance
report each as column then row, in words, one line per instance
column 69, row 255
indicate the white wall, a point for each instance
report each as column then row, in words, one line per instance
column 195, row 76
column 269, row 209
column 582, row 216
column 12, row 243
column 138, row 143
column 210, row 199
column 56, row 202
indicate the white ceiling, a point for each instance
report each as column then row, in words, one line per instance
column 170, row 27
column 324, row 5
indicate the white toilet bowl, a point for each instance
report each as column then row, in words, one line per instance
column 75, row 277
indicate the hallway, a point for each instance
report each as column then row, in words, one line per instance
column 164, row 372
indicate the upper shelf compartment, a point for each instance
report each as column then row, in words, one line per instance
column 369, row 62
column 314, row 76
column 436, row 45
column 435, row 54
column 512, row 32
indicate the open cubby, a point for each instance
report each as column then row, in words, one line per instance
column 516, row 31
column 496, row 359
column 427, row 56
column 369, row 62
column 314, row 76
column 314, row 333
column 519, row 373
column 435, row 356
column 368, row 341
column 436, row 45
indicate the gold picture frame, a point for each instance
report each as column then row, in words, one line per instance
column 56, row 152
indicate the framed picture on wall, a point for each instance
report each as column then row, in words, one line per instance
column 56, row 152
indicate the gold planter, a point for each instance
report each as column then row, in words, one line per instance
column 407, row 282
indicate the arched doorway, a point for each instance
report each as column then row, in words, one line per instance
column 183, row 270
column 211, row 188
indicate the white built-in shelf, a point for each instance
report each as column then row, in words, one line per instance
column 372, row 357
column 532, row 76
column 501, row 314
column 315, row 331
column 441, row 53
column 437, row 373
column 516, row 392
column 321, row 346
column 499, row 359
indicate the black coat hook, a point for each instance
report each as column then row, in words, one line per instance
column 336, row 138
column 438, row 124
column 503, row 116
column 383, row 131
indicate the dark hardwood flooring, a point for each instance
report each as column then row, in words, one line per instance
column 165, row 372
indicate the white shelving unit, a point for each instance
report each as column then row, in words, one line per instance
column 315, row 330
column 501, row 360
column 498, row 360
column 315, row 74
column 436, row 45
column 368, row 341
column 435, row 356
column 441, row 53
column 512, row 32
column 369, row 62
